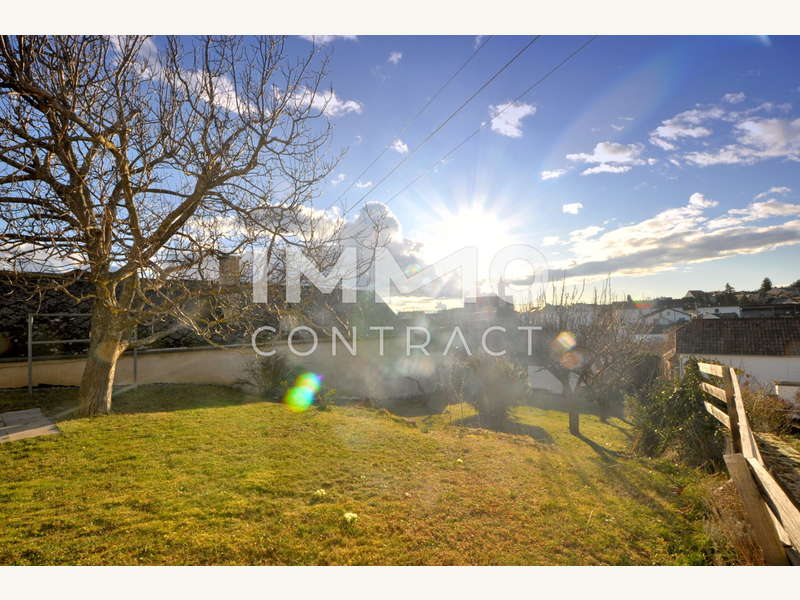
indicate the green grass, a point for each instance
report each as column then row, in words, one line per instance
column 206, row 475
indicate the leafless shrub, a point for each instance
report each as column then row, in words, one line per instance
column 766, row 412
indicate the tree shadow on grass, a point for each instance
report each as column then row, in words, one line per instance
column 418, row 405
column 169, row 398
column 605, row 454
column 53, row 400
column 550, row 401
column 626, row 432
column 61, row 403
column 508, row 426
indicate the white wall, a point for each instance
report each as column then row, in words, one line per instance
column 367, row 374
column 790, row 393
column 713, row 310
column 761, row 370
column 667, row 316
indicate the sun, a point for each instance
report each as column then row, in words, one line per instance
column 471, row 225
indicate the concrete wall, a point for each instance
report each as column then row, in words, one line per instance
column 367, row 373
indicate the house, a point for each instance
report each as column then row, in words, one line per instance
column 666, row 316
column 780, row 309
column 767, row 350
column 697, row 298
column 718, row 312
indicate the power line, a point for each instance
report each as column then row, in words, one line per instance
column 445, row 122
column 416, row 116
column 458, row 146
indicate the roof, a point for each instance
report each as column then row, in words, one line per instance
column 697, row 294
column 774, row 336
column 666, row 308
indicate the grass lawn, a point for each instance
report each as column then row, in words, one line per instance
column 206, row 475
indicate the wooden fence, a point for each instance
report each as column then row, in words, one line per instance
column 774, row 518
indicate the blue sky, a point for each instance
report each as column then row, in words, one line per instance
column 625, row 162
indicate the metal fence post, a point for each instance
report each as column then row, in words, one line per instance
column 30, row 354
column 135, row 358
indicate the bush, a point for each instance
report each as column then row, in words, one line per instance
column 326, row 398
column 272, row 376
column 609, row 393
column 669, row 417
column 767, row 412
column 493, row 386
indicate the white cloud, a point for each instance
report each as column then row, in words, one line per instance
column 733, row 97
column 663, row 144
column 673, row 131
column 686, row 124
column 585, row 233
column 728, row 155
column 610, row 152
column 338, row 179
column 572, row 208
column 554, row 174
column 758, row 139
column 616, row 127
column 507, row 118
column 772, row 137
column 550, row 240
column 757, row 211
column 610, row 157
column 679, row 236
column 764, row 210
column 218, row 88
column 395, row 57
column 321, row 40
column 698, row 200
column 363, row 184
column 326, row 102
column 773, row 190
column 606, row 168
column 330, row 104
column 399, row 146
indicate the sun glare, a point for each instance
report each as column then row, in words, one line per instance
column 475, row 225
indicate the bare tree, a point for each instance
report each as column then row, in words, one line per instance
column 591, row 348
column 134, row 168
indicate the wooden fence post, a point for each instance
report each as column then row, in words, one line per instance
column 749, row 446
column 733, row 414
column 763, row 528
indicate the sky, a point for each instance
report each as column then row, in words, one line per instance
column 664, row 163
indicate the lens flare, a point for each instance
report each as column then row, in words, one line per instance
column 565, row 341
column 300, row 396
column 412, row 269
column 572, row 360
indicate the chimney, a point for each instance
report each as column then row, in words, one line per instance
column 229, row 269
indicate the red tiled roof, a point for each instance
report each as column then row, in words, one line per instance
column 765, row 337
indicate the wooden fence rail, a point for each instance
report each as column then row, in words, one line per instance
column 774, row 518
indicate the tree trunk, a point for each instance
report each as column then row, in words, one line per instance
column 572, row 408
column 574, row 420
column 105, row 348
